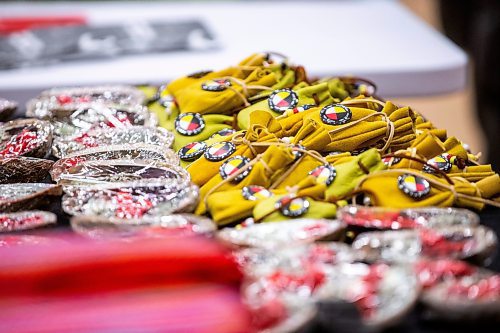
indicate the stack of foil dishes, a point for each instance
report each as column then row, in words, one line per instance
column 175, row 225
column 79, row 114
column 398, row 257
column 116, row 169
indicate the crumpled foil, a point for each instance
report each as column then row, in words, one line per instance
column 455, row 290
column 25, row 220
column 261, row 261
column 405, row 246
column 277, row 234
column 69, row 99
column 176, row 225
column 384, row 294
column 98, row 116
column 390, row 218
column 25, row 137
column 66, row 145
column 400, row 246
column 112, row 171
column 131, row 200
column 434, row 217
column 137, row 151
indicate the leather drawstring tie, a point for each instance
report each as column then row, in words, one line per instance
column 422, row 161
column 355, row 101
column 294, row 166
column 258, row 158
column 243, row 96
column 389, row 133
column 238, row 140
column 291, row 192
column 450, row 187
column 246, row 167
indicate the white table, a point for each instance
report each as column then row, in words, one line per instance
column 380, row 40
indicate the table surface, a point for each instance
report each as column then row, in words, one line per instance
column 378, row 39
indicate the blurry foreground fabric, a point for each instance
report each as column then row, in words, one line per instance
column 153, row 285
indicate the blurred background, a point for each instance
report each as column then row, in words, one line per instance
column 471, row 114
column 397, row 44
column 454, row 111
